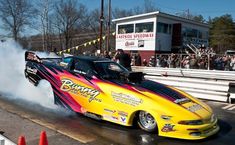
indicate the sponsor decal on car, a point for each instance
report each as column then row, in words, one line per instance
column 70, row 86
column 126, row 99
column 33, row 57
column 109, row 110
column 182, row 101
column 122, row 113
column 168, row 128
column 194, row 107
column 123, row 119
column 111, row 118
column 31, row 70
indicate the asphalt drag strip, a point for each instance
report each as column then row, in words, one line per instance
column 14, row 123
column 67, row 128
column 16, row 120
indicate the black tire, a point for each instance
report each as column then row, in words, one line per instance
column 146, row 122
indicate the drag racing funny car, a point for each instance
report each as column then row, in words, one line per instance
column 104, row 90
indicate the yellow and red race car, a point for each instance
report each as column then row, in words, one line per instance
column 104, row 90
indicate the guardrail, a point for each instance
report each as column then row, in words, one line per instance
column 203, row 84
column 194, row 73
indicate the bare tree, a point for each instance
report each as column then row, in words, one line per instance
column 15, row 15
column 44, row 7
column 67, row 16
column 188, row 15
column 93, row 20
column 149, row 6
column 118, row 13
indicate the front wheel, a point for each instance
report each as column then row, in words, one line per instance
column 146, row 121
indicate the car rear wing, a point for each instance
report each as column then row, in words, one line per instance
column 31, row 56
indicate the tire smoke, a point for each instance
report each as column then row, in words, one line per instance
column 14, row 85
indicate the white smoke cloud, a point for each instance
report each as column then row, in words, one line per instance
column 14, row 85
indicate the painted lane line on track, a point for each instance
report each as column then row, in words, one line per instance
column 229, row 107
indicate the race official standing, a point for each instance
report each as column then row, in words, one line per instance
column 123, row 58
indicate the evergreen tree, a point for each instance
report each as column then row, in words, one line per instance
column 222, row 33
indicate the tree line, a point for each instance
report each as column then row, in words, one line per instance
column 62, row 24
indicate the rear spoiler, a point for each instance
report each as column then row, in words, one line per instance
column 31, row 56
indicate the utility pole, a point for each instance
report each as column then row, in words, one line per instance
column 187, row 13
column 108, row 28
column 101, row 23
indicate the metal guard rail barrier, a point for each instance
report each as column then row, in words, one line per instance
column 203, row 84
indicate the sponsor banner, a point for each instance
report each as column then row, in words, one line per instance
column 140, row 43
column 136, row 36
column 131, row 43
column 134, row 43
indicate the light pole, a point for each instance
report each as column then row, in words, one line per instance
column 101, row 23
column 108, row 29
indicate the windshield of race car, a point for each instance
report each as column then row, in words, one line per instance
column 109, row 69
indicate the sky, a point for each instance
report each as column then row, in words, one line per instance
column 212, row 8
column 206, row 8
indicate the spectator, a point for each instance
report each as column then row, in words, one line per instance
column 226, row 62
column 138, row 60
column 158, row 61
column 201, row 63
column 145, row 62
column 110, row 54
column 152, row 61
column 172, row 61
column 218, row 63
column 124, row 59
column 133, row 60
column 163, row 61
column 206, row 58
column 177, row 61
column 186, row 62
column 106, row 55
column 232, row 63
column 193, row 62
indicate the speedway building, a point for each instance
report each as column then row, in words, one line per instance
column 157, row 32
